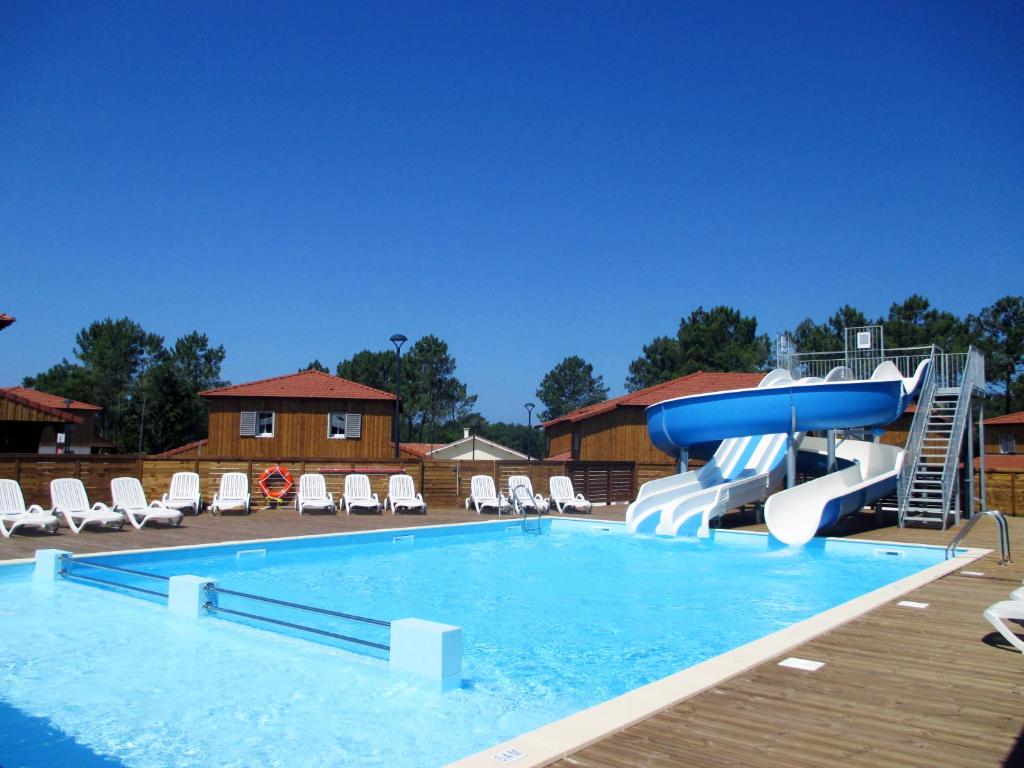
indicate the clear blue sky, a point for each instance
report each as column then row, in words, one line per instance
column 525, row 180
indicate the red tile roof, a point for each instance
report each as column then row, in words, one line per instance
column 185, row 448
column 5, row 320
column 420, row 449
column 43, row 402
column 51, row 401
column 305, row 384
column 698, row 383
column 1010, row 418
column 1010, row 462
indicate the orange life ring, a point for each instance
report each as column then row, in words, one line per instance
column 281, row 490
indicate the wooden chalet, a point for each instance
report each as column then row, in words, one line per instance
column 1005, row 434
column 38, row 422
column 616, row 429
column 308, row 414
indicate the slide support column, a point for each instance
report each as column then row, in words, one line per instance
column 831, row 464
column 684, row 461
column 791, row 450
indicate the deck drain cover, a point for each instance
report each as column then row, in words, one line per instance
column 805, row 664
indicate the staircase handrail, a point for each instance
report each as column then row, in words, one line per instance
column 972, row 378
column 915, row 438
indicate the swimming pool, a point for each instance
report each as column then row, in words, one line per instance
column 553, row 623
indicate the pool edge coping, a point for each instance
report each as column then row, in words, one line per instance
column 554, row 741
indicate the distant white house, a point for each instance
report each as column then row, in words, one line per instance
column 469, row 448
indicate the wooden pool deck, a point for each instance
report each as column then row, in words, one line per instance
column 900, row 686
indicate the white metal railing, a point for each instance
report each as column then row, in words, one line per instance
column 915, row 439
column 972, row 378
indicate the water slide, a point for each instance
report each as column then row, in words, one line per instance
column 746, row 468
column 743, row 470
column 869, row 472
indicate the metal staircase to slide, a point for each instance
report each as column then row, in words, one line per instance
column 928, row 491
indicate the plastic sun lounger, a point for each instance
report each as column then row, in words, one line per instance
column 70, row 500
column 402, row 493
column 130, row 500
column 563, row 496
column 483, row 495
column 1000, row 614
column 358, row 495
column 184, row 493
column 313, row 494
column 233, row 495
column 521, row 495
column 14, row 514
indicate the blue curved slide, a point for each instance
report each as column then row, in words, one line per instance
column 687, row 502
column 838, row 402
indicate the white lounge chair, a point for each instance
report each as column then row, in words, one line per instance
column 184, row 493
column 483, row 495
column 999, row 614
column 233, row 495
column 68, row 496
column 14, row 514
column 130, row 500
column 563, row 496
column 522, row 497
column 313, row 494
column 402, row 493
column 358, row 495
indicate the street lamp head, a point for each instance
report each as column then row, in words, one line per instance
column 529, row 407
column 398, row 340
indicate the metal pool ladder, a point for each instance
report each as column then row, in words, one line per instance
column 1004, row 534
column 521, row 509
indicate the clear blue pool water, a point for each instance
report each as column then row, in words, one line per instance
column 552, row 624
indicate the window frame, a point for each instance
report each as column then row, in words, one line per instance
column 273, row 424
column 344, row 434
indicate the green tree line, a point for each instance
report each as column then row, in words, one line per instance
column 723, row 339
column 149, row 390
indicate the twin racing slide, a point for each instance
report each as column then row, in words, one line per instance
column 757, row 427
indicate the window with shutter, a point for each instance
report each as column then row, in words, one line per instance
column 354, row 426
column 247, row 426
column 336, row 426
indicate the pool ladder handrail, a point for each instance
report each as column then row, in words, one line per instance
column 1004, row 534
column 520, row 509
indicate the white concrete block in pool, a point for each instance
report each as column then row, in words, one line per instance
column 48, row 564
column 429, row 650
column 186, row 596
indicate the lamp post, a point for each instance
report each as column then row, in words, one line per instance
column 398, row 340
column 529, row 424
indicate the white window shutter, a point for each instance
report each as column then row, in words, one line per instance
column 353, row 426
column 247, row 423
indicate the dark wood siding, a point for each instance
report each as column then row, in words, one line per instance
column 300, row 429
column 619, row 435
column 559, row 438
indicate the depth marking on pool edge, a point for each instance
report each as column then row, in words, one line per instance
column 803, row 664
column 509, row 755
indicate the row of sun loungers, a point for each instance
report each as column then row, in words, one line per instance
column 71, row 502
column 484, row 495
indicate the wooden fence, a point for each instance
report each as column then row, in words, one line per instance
column 442, row 483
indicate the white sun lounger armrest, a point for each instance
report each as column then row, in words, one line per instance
column 35, row 509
